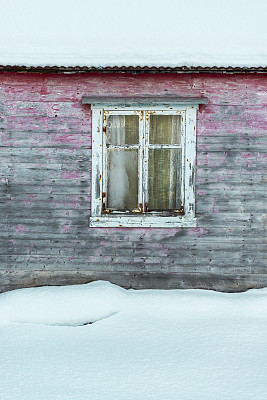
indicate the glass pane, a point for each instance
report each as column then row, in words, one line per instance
column 164, row 179
column 122, row 175
column 165, row 129
column 122, row 129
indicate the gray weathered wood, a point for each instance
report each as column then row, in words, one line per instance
column 45, row 189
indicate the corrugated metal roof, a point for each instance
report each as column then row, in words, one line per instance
column 131, row 69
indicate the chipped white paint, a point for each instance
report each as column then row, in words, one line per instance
column 190, row 162
column 145, row 221
column 97, row 164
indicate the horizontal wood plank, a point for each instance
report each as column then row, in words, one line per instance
column 45, row 193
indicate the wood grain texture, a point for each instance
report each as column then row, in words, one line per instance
column 45, row 193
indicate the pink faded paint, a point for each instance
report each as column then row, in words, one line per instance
column 27, row 202
column 261, row 156
column 20, row 228
column 45, row 119
column 71, row 175
column 212, row 159
column 197, row 232
column 212, row 209
column 65, row 228
column 248, row 155
column 146, row 234
column 201, row 192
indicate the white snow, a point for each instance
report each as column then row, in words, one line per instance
column 148, row 344
column 69, row 305
column 141, row 32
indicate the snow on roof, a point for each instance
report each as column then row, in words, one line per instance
column 168, row 33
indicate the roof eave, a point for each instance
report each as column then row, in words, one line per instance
column 132, row 69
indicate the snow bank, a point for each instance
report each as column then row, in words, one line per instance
column 83, row 304
column 141, row 32
column 197, row 303
column 62, row 305
column 161, row 345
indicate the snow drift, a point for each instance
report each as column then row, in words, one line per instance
column 62, row 305
column 84, row 304
column 147, row 344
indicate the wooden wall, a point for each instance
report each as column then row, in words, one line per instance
column 45, row 152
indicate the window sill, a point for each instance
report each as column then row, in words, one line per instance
column 143, row 221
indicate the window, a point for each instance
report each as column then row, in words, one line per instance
column 143, row 162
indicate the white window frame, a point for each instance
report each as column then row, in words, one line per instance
column 188, row 110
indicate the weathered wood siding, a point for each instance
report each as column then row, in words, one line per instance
column 45, row 186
